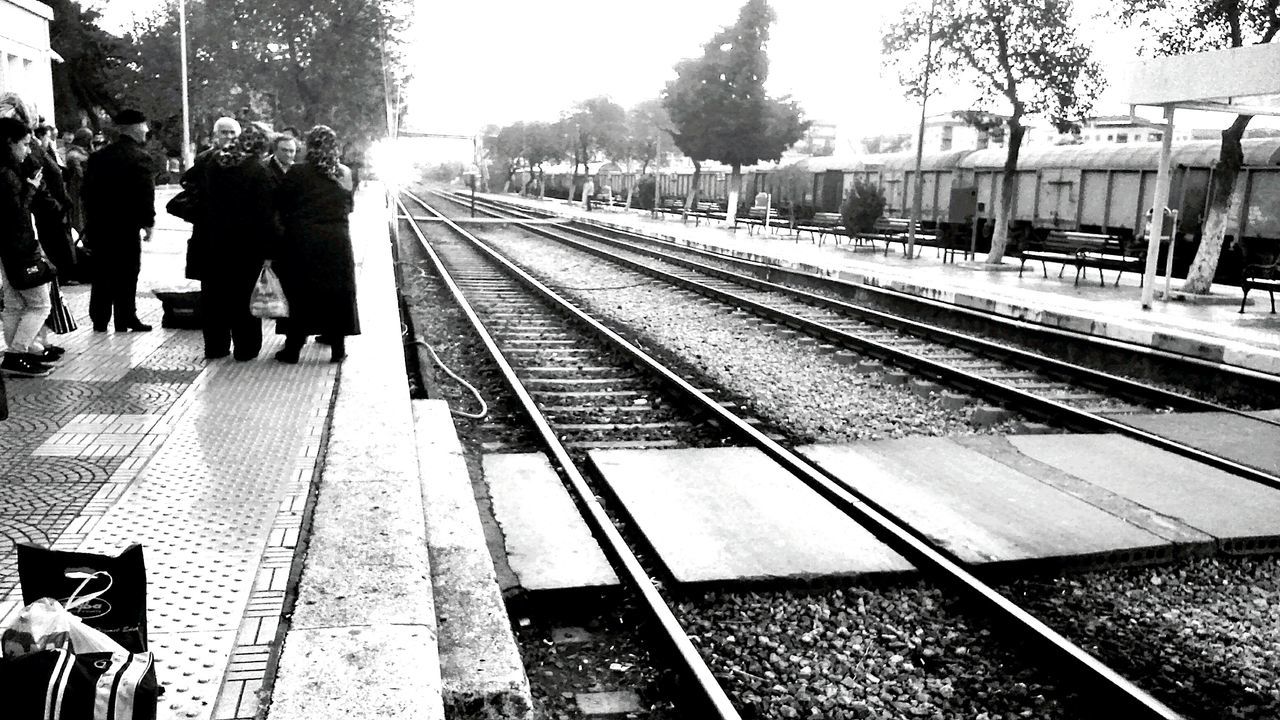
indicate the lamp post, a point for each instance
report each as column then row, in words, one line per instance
column 918, row 196
column 186, row 104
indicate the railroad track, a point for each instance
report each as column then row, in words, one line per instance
column 507, row 319
column 1066, row 394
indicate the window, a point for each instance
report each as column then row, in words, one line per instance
column 948, row 134
column 1122, row 138
column 1111, row 138
column 1156, row 137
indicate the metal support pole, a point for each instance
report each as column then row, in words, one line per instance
column 1158, row 206
column 918, row 198
column 186, row 103
column 768, row 208
column 473, row 194
column 1168, row 256
column 657, row 177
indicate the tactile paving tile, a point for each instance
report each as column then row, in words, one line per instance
column 216, row 495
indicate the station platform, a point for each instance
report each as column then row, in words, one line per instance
column 1214, row 331
column 280, row 507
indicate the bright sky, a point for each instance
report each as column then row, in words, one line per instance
column 499, row 61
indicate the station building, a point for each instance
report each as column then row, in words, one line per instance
column 25, row 54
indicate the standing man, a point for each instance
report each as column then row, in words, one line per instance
column 195, row 183
column 120, row 192
column 51, row 204
column 284, row 149
column 588, row 189
column 77, row 162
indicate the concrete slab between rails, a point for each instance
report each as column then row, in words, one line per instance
column 549, row 545
column 362, row 643
column 481, row 668
column 1232, row 436
column 979, row 509
column 724, row 514
column 1241, row 515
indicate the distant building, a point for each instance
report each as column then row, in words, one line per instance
column 819, row 139
column 25, row 55
column 954, row 131
column 1121, row 129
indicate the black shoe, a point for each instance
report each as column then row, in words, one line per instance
column 99, row 328
column 324, row 340
column 244, row 357
column 54, row 351
column 288, row 355
column 215, row 355
column 47, row 357
column 23, row 365
column 135, row 326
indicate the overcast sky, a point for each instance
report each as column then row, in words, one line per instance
column 498, row 61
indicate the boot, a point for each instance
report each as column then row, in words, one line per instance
column 292, row 348
column 338, row 344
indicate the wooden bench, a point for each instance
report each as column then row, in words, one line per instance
column 820, row 225
column 1083, row 250
column 755, row 217
column 1260, row 276
column 898, row 230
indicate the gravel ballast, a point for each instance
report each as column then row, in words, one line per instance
column 1201, row 635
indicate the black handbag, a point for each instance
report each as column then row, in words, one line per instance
column 184, row 205
column 33, row 273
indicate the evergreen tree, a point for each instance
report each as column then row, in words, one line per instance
column 719, row 107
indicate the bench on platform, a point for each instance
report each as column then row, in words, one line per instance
column 1260, row 276
column 820, row 225
column 898, row 230
column 1083, row 250
column 755, row 217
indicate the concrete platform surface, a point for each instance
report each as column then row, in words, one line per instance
column 1213, row 332
column 480, row 663
column 721, row 514
column 549, row 546
column 1248, row 441
column 1231, row 509
column 977, row 508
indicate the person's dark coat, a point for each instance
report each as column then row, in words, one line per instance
column 315, row 260
column 18, row 244
column 194, row 182
column 119, row 189
column 50, row 207
column 77, row 160
column 238, row 232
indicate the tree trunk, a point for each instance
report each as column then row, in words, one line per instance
column 735, row 184
column 631, row 186
column 542, row 183
column 1213, row 234
column 693, row 190
column 1008, row 186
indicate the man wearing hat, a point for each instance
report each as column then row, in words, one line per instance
column 119, row 204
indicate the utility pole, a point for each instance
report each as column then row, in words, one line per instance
column 186, row 103
column 918, row 196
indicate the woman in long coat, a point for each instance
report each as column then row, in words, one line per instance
column 315, row 261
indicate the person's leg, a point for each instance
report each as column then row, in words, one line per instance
column 101, row 293
column 292, row 348
column 34, row 310
column 213, row 319
column 125, row 299
column 12, row 311
column 339, row 348
column 246, row 330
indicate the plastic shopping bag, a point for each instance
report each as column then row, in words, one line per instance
column 268, row 300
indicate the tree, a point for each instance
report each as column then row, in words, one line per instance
column 278, row 60
column 647, row 124
column 86, row 82
column 1022, row 52
column 542, row 145
column 719, row 107
column 596, row 127
column 862, row 207
column 506, row 146
column 1187, row 26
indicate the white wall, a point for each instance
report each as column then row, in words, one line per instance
column 24, row 54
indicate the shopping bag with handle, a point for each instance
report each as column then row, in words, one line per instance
column 268, row 300
column 109, row 593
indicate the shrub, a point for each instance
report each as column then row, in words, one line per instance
column 862, row 207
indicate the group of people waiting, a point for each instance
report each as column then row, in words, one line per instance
column 246, row 197
column 249, row 202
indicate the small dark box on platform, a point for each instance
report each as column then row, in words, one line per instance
column 181, row 309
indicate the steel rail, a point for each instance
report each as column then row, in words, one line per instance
column 1040, row 406
column 902, row 296
column 889, row 530
column 614, row 544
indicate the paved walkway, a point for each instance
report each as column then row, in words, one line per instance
column 1215, row 332
column 135, row 437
